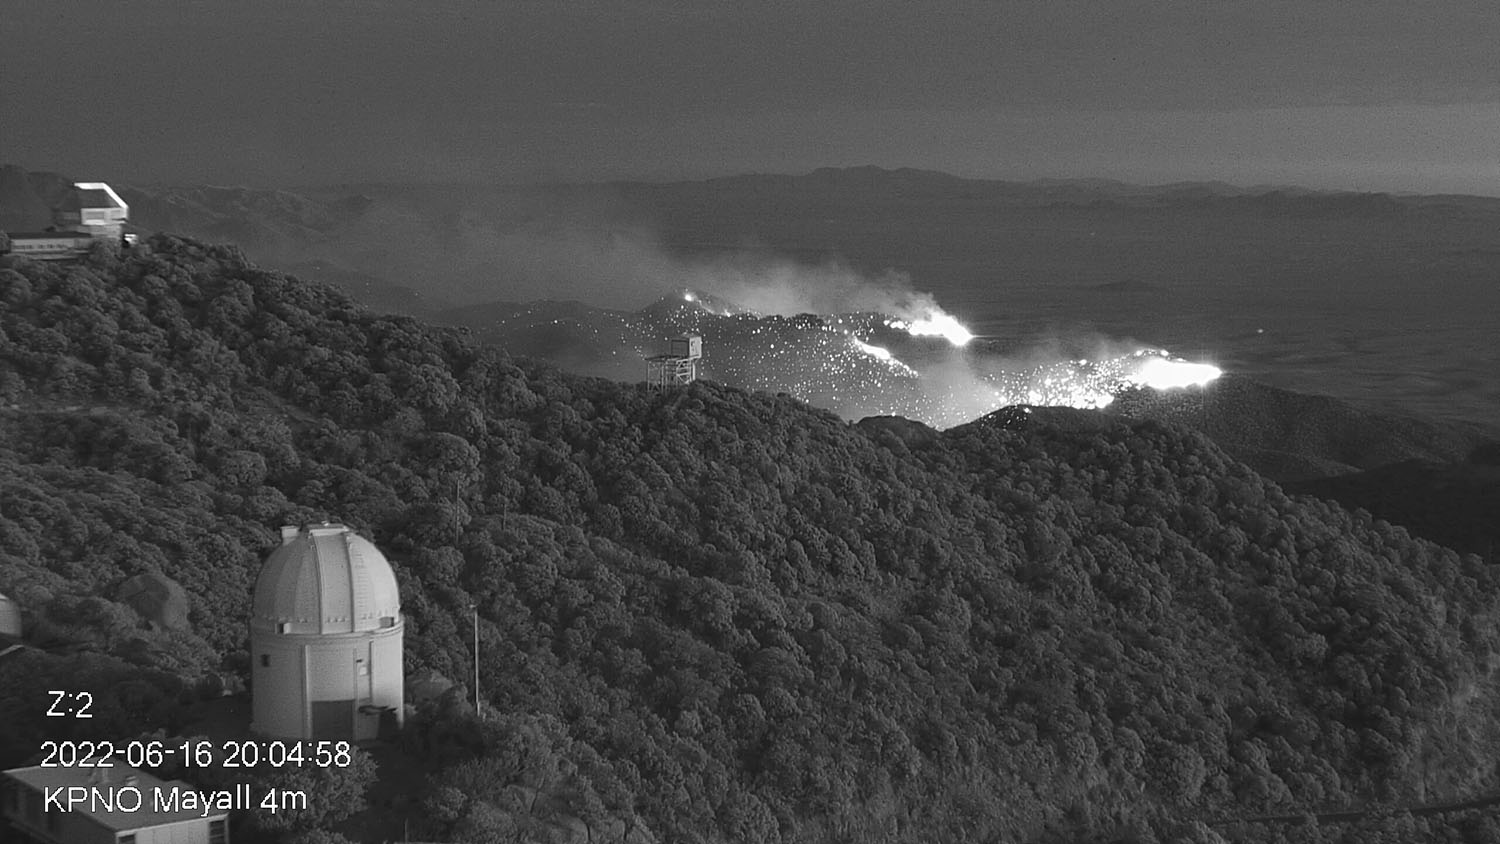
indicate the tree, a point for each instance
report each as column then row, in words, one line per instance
column 334, row 792
column 317, row 836
column 707, row 596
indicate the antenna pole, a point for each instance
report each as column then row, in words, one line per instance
column 478, row 710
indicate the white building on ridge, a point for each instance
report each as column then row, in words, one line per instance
column 92, row 208
column 90, row 212
column 325, row 638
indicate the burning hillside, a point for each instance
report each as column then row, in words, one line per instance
column 923, row 364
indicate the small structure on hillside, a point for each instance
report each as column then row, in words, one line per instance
column 10, row 617
column 113, row 803
column 325, row 639
column 679, row 365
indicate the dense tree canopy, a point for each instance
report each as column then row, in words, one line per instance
column 720, row 616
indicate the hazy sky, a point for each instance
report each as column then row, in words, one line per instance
column 1372, row 94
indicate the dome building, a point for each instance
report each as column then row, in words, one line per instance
column 10, row 617
column 325, row 638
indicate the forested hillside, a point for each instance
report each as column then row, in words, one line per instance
column 709, row 615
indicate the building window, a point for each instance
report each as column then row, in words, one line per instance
column 387, row 621
column 284, row 627
column 361, row 667
column 216, row 833
column 265, row 660
column 126, row 838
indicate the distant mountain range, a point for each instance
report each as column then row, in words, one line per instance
column 457, row 243
column 363, row 238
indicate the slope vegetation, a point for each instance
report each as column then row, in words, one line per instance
column 1292, row 436
column 710, row 615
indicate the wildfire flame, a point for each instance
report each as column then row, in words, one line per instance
column 935, row 323
column 1094, row 384
column 1165, row 373
column 882, row 353
column 876, row 351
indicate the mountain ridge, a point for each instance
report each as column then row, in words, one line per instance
column 464, row 244
column 724, row 616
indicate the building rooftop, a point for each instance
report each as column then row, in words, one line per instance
column 43, row 779
column 14, row 236
column 326, row 579
column 92, row 195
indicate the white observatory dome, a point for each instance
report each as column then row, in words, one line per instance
column 325, row 579
column 325, row 638
column 10, row 617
